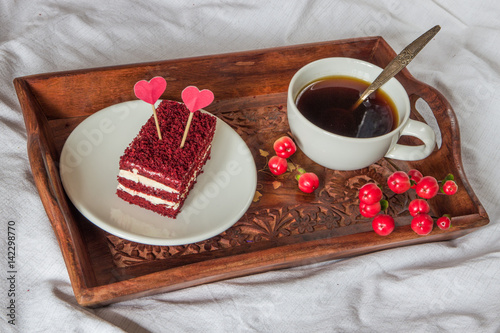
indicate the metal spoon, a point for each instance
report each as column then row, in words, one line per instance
column 398, row 63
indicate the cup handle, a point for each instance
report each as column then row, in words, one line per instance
column 421, row 131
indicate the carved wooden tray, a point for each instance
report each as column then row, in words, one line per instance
column 283, row 227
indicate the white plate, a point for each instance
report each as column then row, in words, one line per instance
column 89, row 168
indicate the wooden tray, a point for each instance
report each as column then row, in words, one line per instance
column 283, row 227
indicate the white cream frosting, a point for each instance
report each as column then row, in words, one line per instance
column 133, row 176
column 150, row 198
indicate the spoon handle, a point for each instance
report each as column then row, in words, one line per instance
column 398, row 63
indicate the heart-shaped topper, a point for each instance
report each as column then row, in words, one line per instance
column 150, row 91
column 196, row 99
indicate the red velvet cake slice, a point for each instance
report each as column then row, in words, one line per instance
column 158, row 174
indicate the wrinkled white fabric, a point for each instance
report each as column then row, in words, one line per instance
column 446, row 286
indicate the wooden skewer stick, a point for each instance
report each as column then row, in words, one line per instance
column 156, row 121
column 187, row 129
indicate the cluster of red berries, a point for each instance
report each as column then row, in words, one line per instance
column 372, row 202
column 284, row 148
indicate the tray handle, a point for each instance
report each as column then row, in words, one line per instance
column 41, row 166
column 450, row 150
column 43, row 160
column 41, row 152
column 46, row 174
column 445, row 117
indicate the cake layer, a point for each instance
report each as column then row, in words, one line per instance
column 141, row 177
column 160, row 209
column 152, row 187
column 155, row 189
column 133, row 176
column 154, row 200
column 149, row 190
column 160, row 206
column 158, row 174
column 163, row 160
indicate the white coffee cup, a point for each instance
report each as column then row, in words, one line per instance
column 347, row 153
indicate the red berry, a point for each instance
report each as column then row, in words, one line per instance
column 418, row 206
column 284, row 147
column 277, row 165
column 450, row 187
column 399, row 182
column 383, row 224
column 415, row 177
column 422, row 224
column 370, row 193
column 369, row 210
column 427, row 187
column 308, row 182
column 443, row 222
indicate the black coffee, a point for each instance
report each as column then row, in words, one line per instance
column 327, row 103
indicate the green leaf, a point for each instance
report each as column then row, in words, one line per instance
column 448, row 177
column 384, row 204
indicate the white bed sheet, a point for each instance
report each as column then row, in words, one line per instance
column 447, row 286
